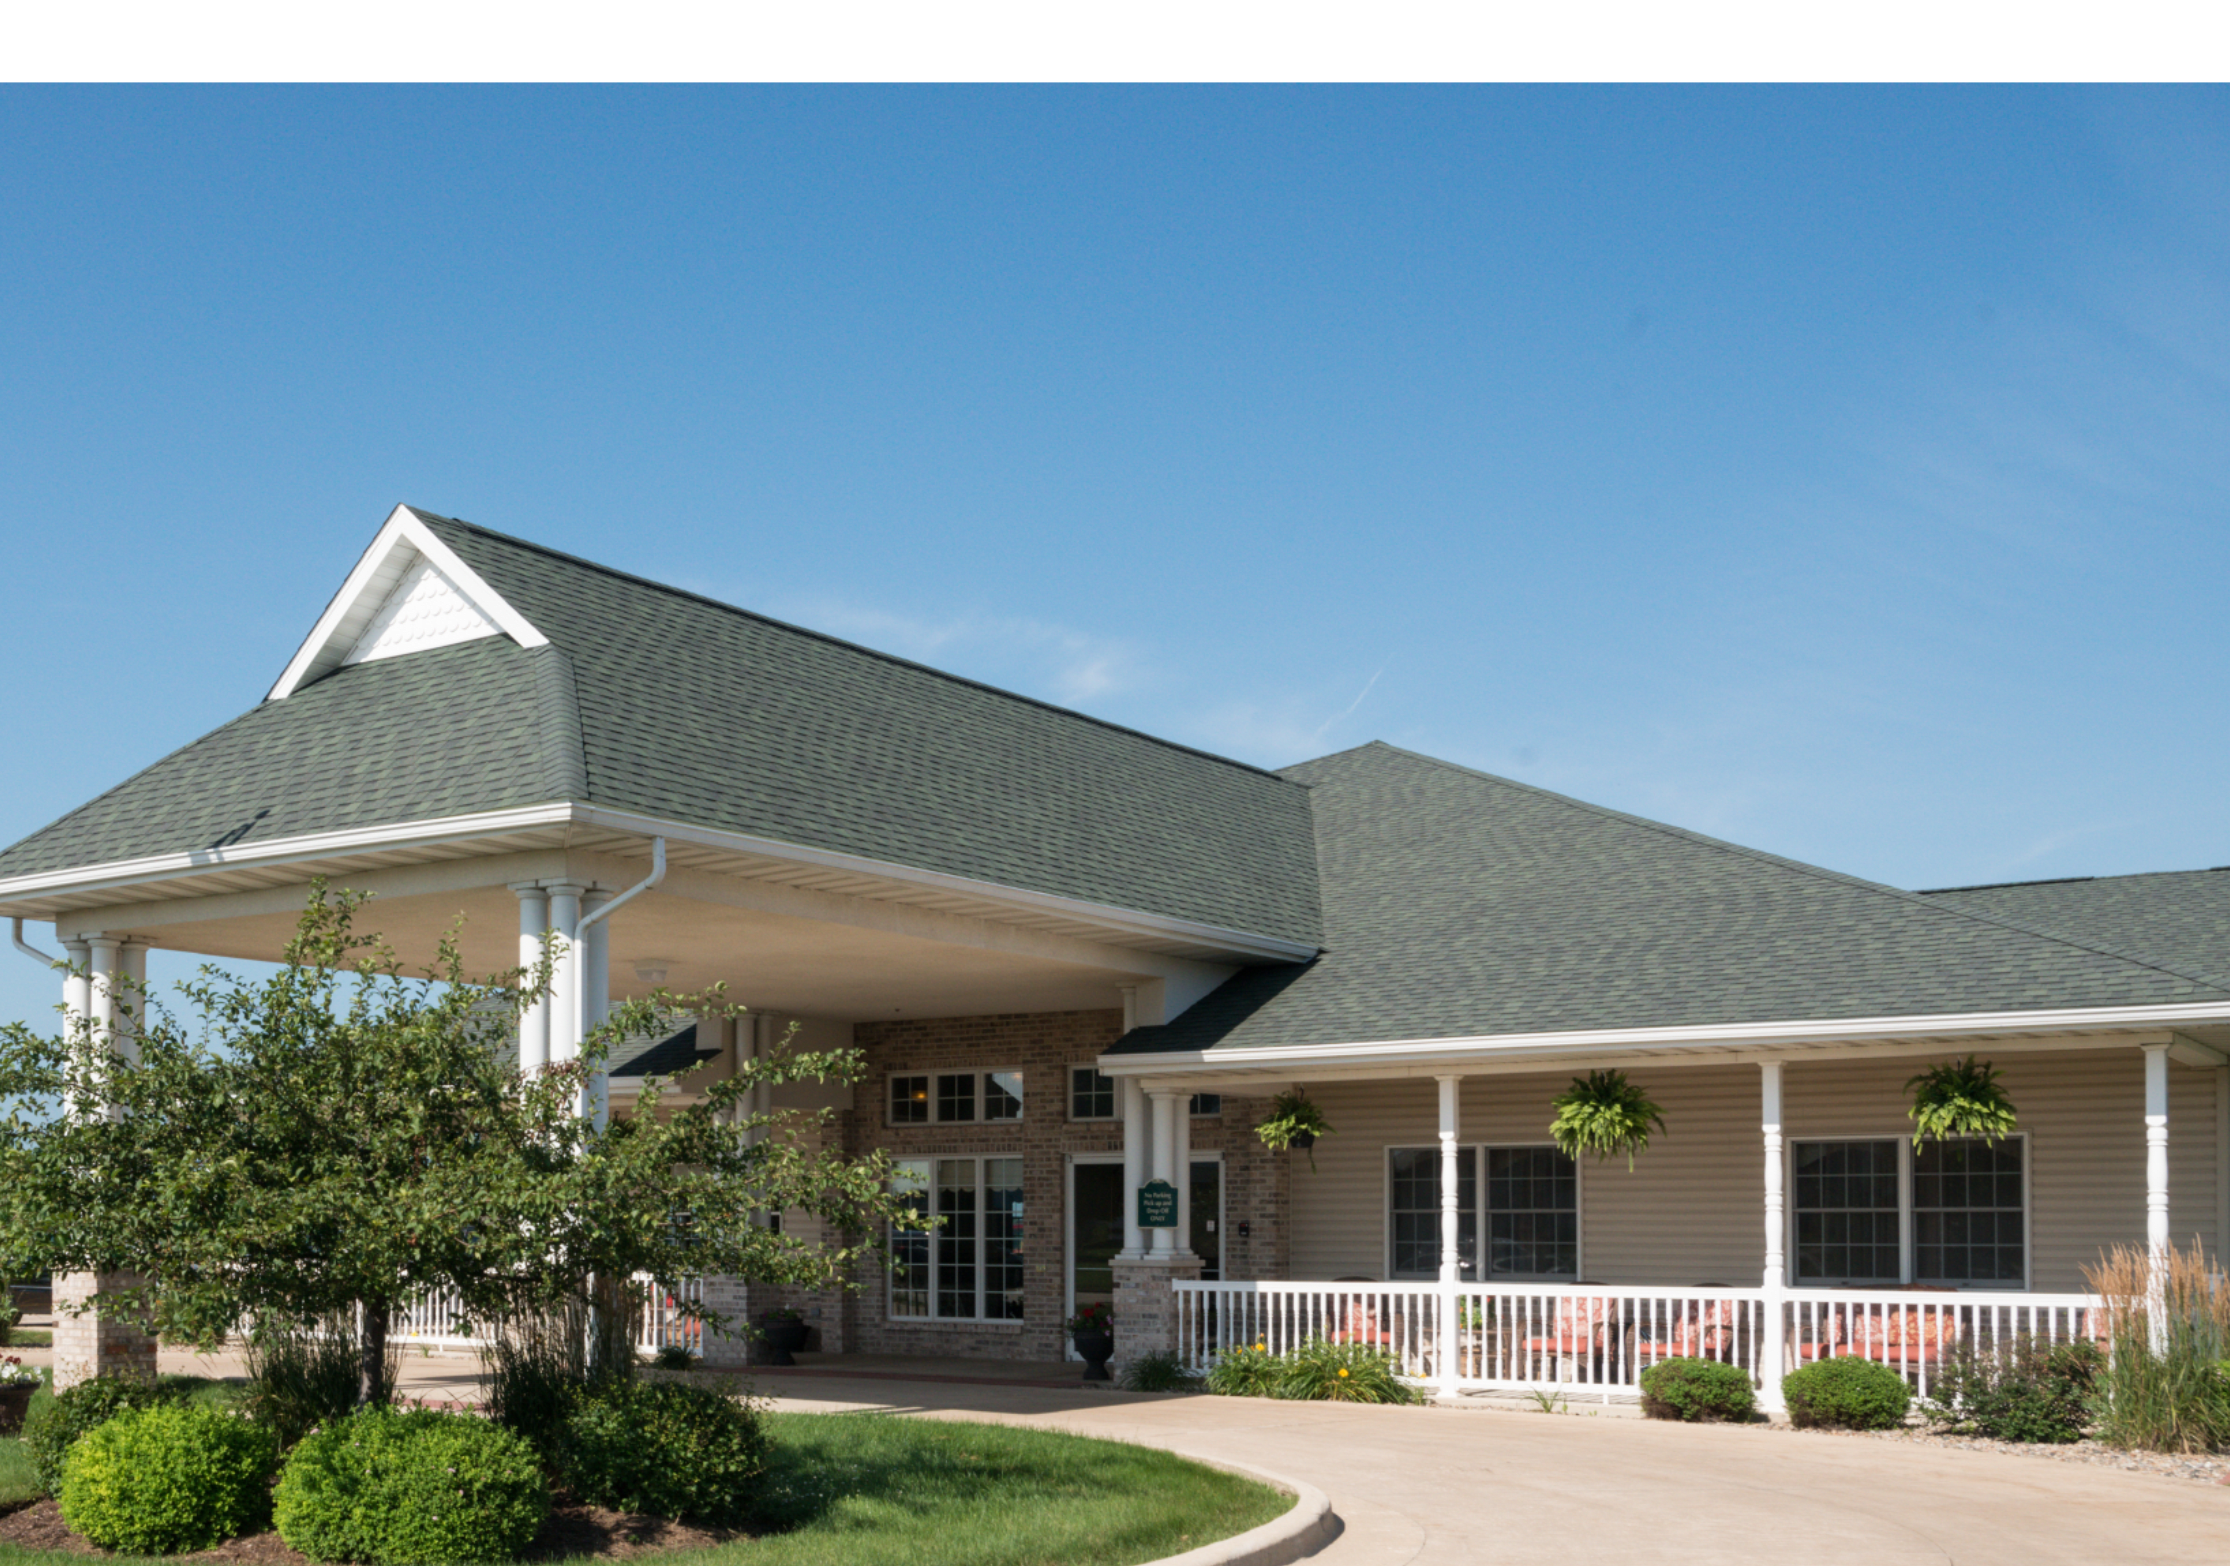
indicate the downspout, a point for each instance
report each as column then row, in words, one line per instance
column 31, row 951
column 596, row 1105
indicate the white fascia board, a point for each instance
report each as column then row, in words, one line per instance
column 411, row 834
column 279, row 850
column 1238, row 942
column 1751, row 1038
column 330, row 639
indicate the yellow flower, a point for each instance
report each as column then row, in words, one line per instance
column 1343, row 1372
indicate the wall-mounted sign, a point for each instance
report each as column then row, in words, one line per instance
column 1157, row 1205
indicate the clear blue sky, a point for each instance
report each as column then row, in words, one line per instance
column 1842, row 472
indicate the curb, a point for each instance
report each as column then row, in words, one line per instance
column 1308, row 1526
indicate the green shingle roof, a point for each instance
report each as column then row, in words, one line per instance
column 478, row 726
column 2179, row 918
column 1457, row 904
column 655, row 700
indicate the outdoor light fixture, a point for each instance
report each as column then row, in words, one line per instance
column 651, row 970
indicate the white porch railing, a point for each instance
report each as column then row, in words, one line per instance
column 1597, row 1339
column 437, row 1321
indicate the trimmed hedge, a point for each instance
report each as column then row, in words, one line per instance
column 667, row 1449
column 421, row 1488
column 1694, row 1389
column 54, row 1423
column 155, row 1481
column 1847, row 1394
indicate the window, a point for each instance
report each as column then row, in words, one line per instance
column 1531, row 1212
column 1091, row 1094
column 909, row 1101
column 1207, row 1104
column 1879, row 1211
column 1970, row 1223
column 1416, row 1198
column 955, row 1097
column 1847, row 1219
column 968, row 1268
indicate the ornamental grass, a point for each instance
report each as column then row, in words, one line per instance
column 2167, row 1332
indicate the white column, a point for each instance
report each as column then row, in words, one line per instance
column 101, row 1007
column 1451, row 1230
column 1167, row 1107
column 534, row 1018
column 1137, row 1132
column 1183, row 1131
column 2222, row 1166
column 128, row 1002
column 596, row 1004
column 77, row 993
column 1775, row 1348
column 2156, row 1149
column 565, row 975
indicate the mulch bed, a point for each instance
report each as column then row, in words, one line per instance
column 571, row 1530
column 2207, row 1468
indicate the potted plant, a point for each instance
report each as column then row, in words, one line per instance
column 782, row 1329
column 1092, row 1331
column 1294, row 1121
column 17, row 1382
column 1604, row 1114
column 1960, row 1098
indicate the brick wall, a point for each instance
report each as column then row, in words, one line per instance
column 1043, row 1047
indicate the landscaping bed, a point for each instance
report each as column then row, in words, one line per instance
column 857, row 1490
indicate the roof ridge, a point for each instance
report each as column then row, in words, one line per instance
column 2066, row 880
column 1819, row 871
column 849, row 646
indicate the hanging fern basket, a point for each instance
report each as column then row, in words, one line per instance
column 1960, row 1098
column 1294, row 1121
column 1604, row 1115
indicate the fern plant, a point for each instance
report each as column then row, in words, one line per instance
column 1960, row 1098
column 1294, row 1121
column 1604, row 1114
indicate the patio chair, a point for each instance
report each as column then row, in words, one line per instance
column 1704, row 1329
column 1577, row 1331
column 1360, row 1324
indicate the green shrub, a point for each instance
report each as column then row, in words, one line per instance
column 173, row 1477
column 1847, row 1394
column 10, row 1314
column 667, row 1449
column 1160, row 1371
column 537, row 1372
column 1697, row 1389
column 1322, row 1371
column 2032, row 1392
column 411, row 1489
column 1245, row 1372
column 302, row 1377
column 52, row 1424
column 674, row 1357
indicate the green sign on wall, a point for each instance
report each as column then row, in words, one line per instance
column 1157, row 1205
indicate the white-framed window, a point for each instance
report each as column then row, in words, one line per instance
column 1530, row 1214
column 969, row 1267
column 1092, row 1096
column 953, row 1097
column 1876, row 1210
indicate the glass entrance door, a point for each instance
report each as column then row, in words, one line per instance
column 1207, row 1216
column 1096, row 1212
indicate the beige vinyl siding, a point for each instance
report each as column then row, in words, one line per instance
column 1693, row 1209
column 1688, row 1213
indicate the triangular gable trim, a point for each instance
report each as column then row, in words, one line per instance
column 403, row 544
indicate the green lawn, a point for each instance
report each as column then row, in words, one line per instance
column 880, row 1490
column 29, row 1337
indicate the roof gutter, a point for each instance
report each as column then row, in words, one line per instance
column 28, row 949
column 1747, row 1037
column 598, row 1092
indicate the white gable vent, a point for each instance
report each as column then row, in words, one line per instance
column 425, row 610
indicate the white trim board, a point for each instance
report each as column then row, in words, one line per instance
column 390, row 565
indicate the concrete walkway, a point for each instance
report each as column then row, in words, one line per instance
column 1449, row 1485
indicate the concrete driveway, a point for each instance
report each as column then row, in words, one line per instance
column 1464, row 1485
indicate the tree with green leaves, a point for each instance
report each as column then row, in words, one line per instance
column 342, row 1138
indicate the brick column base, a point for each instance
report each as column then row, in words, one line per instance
column 1145, row 1305
column 729, row 1350
column 96, row 1344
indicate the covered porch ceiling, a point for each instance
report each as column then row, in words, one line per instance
column 777, row 948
